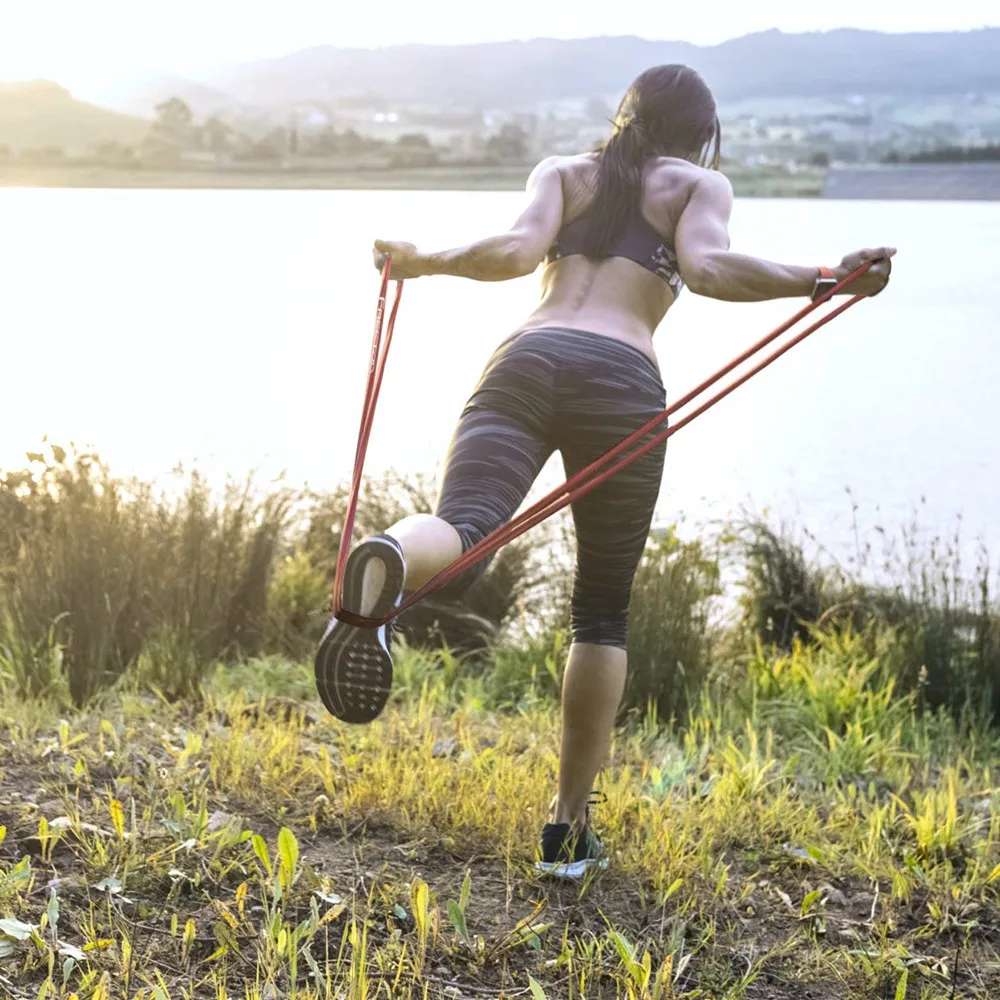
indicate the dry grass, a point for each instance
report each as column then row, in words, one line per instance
column 820, row 824
column 810, row 835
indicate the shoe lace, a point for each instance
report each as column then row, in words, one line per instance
column 595, row 798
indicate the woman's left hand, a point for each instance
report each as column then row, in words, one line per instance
column 406, row 258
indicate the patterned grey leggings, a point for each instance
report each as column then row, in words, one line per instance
column 579, row 393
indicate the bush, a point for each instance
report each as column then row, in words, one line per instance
column 100, row 567
column 669, row 639
column 781, row 594
column 670, row 635
column 936, row 629
column 99, row 574
column 297, row 606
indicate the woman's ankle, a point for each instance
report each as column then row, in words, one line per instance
column 574, row 817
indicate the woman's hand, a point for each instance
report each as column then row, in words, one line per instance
column 875, row 278
column 406, row 259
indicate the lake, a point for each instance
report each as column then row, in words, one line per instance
column 230, row 330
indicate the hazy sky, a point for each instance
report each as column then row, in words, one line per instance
column 81, row 42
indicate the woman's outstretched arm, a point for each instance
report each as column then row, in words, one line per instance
column 497, row 258
column 710, row 268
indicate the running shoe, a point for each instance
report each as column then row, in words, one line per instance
column 570, row 854
column 353, row 665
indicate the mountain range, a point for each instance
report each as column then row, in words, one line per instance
column 519, row 74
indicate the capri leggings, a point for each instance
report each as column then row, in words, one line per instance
column 577, row 393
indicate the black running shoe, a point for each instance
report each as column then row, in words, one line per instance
column 570, row 855
column 353, row 665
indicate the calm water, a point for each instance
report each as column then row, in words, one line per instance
column 230, row 330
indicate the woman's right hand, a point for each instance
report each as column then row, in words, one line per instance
column 875, row 278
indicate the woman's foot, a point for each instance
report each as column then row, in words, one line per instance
column 353, row 665
column 569, row 853
column 570, row 850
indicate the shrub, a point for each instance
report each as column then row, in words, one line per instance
column 670, row 625
column 669, row 640
column 936, row 628
column 104, row 565
column 782, row 595
column 297, row 606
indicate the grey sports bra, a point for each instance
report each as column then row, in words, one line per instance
column 640, row 243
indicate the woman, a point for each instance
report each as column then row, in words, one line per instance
column 620, row 232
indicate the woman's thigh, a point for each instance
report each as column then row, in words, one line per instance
column 502, row 440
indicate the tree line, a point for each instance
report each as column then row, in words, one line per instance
column 950, row 154
column 175, row 131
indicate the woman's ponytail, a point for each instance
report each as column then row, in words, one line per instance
column 619, row 188
column 668, row 111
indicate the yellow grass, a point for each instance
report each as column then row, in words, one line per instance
column 251, row 847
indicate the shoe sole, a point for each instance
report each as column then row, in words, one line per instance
column 353, row 665
column 571, row 870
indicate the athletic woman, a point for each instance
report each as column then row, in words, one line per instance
column 619, row 232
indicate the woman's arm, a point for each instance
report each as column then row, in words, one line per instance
column 710, row 268
column 498, row 258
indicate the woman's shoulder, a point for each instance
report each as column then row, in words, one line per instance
column 670, row 175
column 578, row 172
column 677, row 169
column 572, row 163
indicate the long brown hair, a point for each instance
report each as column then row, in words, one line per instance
column 668, row 111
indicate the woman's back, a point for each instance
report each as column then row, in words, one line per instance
column 616, row 296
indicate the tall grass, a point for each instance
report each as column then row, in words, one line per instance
column 671, row 635
column 97, row 568
column 671, row 638
column 102, row 576
column 936, row 626
column 468, row 624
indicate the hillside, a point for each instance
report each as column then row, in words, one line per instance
column 40, row 114
column 518, row 74
column 139, row 95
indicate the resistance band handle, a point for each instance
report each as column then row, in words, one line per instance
column 586, row 479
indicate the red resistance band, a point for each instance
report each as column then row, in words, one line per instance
column 584, row 481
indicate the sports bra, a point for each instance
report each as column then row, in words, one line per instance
column 640, row 243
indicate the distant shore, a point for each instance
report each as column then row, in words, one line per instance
column 763, row 182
